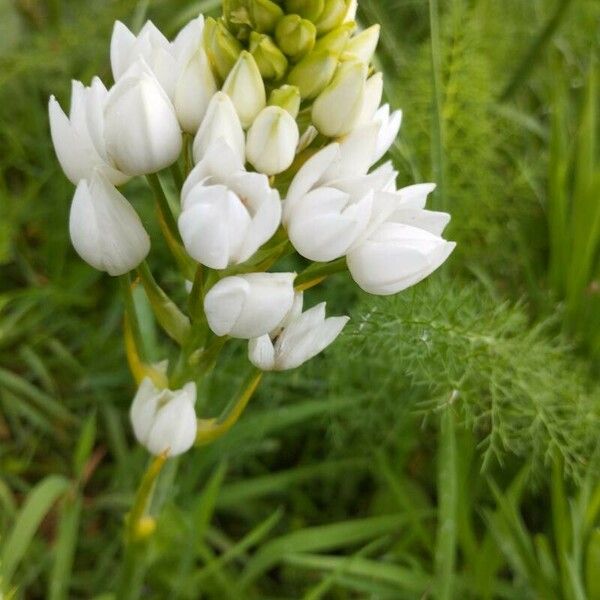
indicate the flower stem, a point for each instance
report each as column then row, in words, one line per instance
column 318, row 272
column 210, row 430
column 131, row 315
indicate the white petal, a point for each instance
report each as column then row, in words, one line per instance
column 121, row 44
column 261, row 353
column 415, row 196
column 431, row 221
column 143, row 410
column 390, row 126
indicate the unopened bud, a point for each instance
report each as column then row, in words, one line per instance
column 264, row 15
column 271, row 61
column 295, row 36
column 245, row 86
column 336, row 41
column 337, row 110
column 286, row 97
column 221, row 47
column 333, row 14
column 312, row 74
column 272, row 141
column 307, row 9
column 362, row 46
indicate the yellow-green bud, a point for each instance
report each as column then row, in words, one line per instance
column 288, row 98
column 271, row 61
column 264, row 15
column 312, row 74
column 336, row 41
column 308, row 9
column 362, row 46
column 245, row 86
column 338, row 108
column 295, row 36
column 333, row 14
column 221, row 47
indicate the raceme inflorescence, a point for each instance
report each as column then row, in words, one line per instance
column 269, row 121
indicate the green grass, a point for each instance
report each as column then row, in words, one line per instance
column 445, row 447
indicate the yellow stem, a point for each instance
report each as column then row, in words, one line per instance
column 210, row 430
column 138, row 368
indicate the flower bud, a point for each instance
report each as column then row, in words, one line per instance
column 337, row 109
column 150, row 45
column 164, row 420
column 303, row 337
column 295, row 36
column 249, row 306
column 142, row 133
column 371, row 99
column 264, row 15
column 245, row 86
column 337, row 40
column 79, row 139
column 351, row 12
column 272, row 141
column 271, row 61
column 313, row 73
column 195, row 87
column 221, row 122
column 396, row 257
column 105, row 229
column 286, row 97
column 307, row 9
column 221, row 47
column 227, row 215
column 362, row 46
column 333, row 14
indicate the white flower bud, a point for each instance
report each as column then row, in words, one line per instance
column 372, row 98
column 226, row 216
column 363, row 45
column 195, row 87
column 221, row 122
column 105, row 229
column 303, row 337
column 164, row 420
column 338, row 107
column 249, row 306
column 272, row 141
column 141, row 129
column 389, row 126
column 79, row 139
column 245, row 86
column 151, row 46
column 396, row 257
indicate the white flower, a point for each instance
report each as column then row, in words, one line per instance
column 164, row 420
column 221, row 122
column 245, row 86
column 325, row 216
column 249, row 306
column 141, row 129
column 227, row 213
column 79, row 139
column 304, row 335
column 363, row 45
column 337, row 109
column 390, row 124
column 272, row 141
column 371, row 99
column 105, row 229
column 405, row 249
column 181, row 67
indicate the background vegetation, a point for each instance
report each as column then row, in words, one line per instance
column 446, row 447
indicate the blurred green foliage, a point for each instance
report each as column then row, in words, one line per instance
column 445, row 447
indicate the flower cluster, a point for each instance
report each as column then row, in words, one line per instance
column 272, row 124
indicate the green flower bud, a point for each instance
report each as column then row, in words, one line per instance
column 295, row 36
column 288, row 98
column 221, row 47
column 245, row 86
column 338, row 108
column 264, row 15
column 332, row 15
column 336, row 41
column 271, row 61
column 312, row 74
column 307, row 9
column 362, row 46
column 237, row 17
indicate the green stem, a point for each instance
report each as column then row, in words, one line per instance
column 177, row 176
column 437, row 147
column 317, row 272
column 163, row 204
column 197, row 294
column 130, row 311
